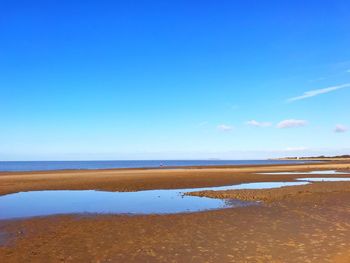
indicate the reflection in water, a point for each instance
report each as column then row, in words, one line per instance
column 39, row 203
column 327, row 172
column 325, row 179
column 3, row 238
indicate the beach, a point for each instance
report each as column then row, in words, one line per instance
column 307, row 223
column 175, row 131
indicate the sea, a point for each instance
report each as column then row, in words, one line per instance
column 18, row 166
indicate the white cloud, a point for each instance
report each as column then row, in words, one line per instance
column 340, row 128
column 291, row 123
column 225, row 128
column 313, row 93
column 258, row 123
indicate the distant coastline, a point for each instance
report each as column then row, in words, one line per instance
column 316, row 158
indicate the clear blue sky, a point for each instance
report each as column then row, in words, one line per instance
column 173, row 79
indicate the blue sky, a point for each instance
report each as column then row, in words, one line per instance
column 173, row 79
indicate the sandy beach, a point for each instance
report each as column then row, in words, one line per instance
column 175, row 131
column 309, row 223
column 145, row 179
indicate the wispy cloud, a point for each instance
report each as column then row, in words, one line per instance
column 258, row 123
column 340, row 128
column 225, row 128
column 291, row 123
column 348, row 71
column 313, row 93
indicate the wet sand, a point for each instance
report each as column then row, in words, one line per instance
column 302, row 224
column 277, row 194
column 145, row 179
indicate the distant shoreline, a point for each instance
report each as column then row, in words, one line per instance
column 312, row 159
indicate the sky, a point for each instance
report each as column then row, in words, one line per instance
column 82, row 80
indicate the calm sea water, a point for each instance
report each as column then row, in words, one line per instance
column 14, row 166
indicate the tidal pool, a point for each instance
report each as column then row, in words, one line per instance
column 326, row 172
column 42, row 203
column 325, row 179
column 3, row 238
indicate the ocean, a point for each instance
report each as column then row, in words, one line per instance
column 16, row 166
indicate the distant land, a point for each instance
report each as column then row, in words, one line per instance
column 318, row 158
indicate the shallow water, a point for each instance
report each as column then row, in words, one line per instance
column 327, row 172
column 3, row 238
column 259, row 185
column 40, row 203
column 325, row 179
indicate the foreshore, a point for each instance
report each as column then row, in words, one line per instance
column 147, row 179
column 293, row 224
